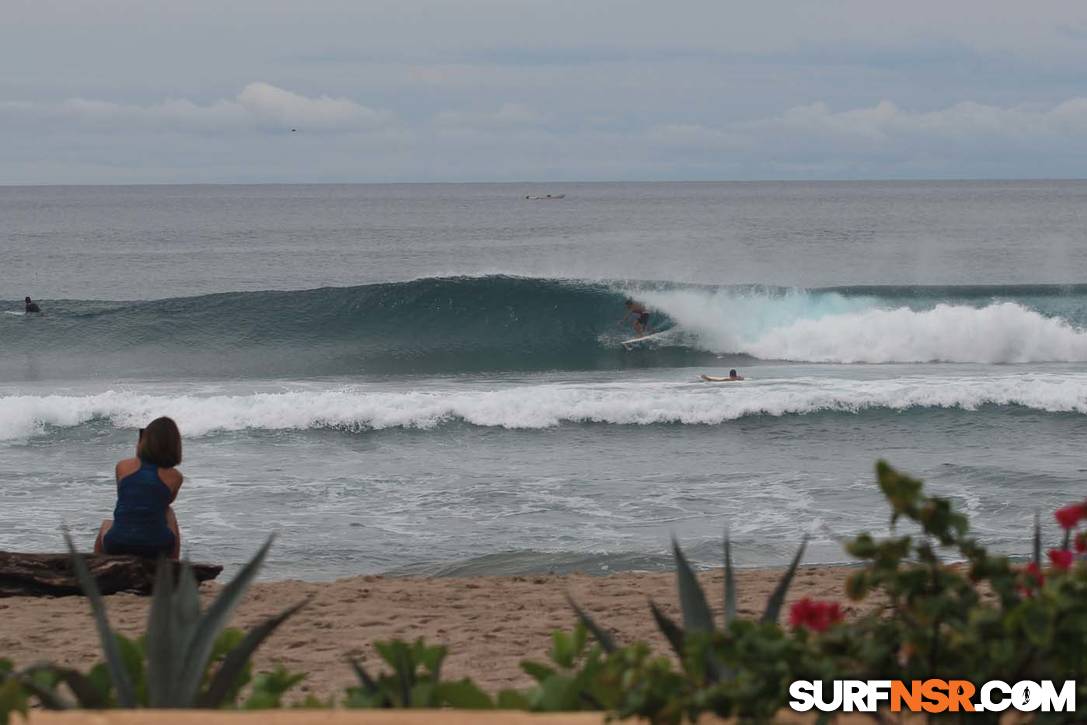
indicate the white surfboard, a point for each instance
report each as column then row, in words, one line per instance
column 720, row 379
column 643, row 338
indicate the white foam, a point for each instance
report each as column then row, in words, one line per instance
column 828, row 327
column 999, row 333
column 538, row 406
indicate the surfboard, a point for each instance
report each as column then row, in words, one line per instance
column 643, row 338
column 719, row 379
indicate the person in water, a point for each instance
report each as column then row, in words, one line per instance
column 31, row 306
column 732, row 377
column 641, row 317
column 143, row 520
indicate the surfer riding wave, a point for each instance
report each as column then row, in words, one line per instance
column 640, row 315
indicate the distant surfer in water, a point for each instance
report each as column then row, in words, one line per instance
column 641, row 317
column 32, row 306
column 732, row 377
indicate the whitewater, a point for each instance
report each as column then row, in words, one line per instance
column 832, row 328
column 543, row 405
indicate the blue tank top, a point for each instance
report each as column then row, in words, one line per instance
column 140, row 516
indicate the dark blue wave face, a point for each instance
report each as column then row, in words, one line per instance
column 423, row 326
column 444, row 325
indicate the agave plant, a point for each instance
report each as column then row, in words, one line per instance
column 169, row 667
column 697, row 616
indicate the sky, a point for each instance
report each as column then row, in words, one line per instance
column 149, row 91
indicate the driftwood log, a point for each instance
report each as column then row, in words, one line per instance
column 32, row 575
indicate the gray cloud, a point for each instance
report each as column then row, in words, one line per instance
column 147, row 90
column 885, row 122
column 965, row 139
column 258, row 106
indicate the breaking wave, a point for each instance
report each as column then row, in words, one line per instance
column 358, row 408
column 467, row 324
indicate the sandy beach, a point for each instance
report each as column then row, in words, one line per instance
column 489, row 624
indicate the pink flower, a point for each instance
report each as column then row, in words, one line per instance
column 1069, row 516
column 1061, row 558
column 816, row 616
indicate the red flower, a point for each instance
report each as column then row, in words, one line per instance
column 1033, row 579
column 1061, row 558
column 816, row 616
column 1069, row 516
column 1081, row 542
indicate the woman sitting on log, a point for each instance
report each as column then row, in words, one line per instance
column 143, row 521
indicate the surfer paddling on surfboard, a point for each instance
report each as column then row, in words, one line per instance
column 732, row 377
column 32, row 306
column 641, row 317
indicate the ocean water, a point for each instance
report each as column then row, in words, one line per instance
column 429, row 379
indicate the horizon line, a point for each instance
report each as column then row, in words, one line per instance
column 874, row 180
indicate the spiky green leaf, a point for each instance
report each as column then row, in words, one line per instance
column 730, row 584
column 607, row 642
column 163, row 648
column 202, row 641
column 668, row 628
column 364, row 678
column 537, row 671
column 237, row 659
column 186, row 607
column 122, row 683
column 777, row 598
column 405, row 670
column 692, row 599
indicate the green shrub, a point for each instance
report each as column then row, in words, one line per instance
column 984, row 619
column 415, row 681
column 950, row 610
column 627, row 680
column 13, row 696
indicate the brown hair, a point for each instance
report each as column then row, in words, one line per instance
column 160, row 443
